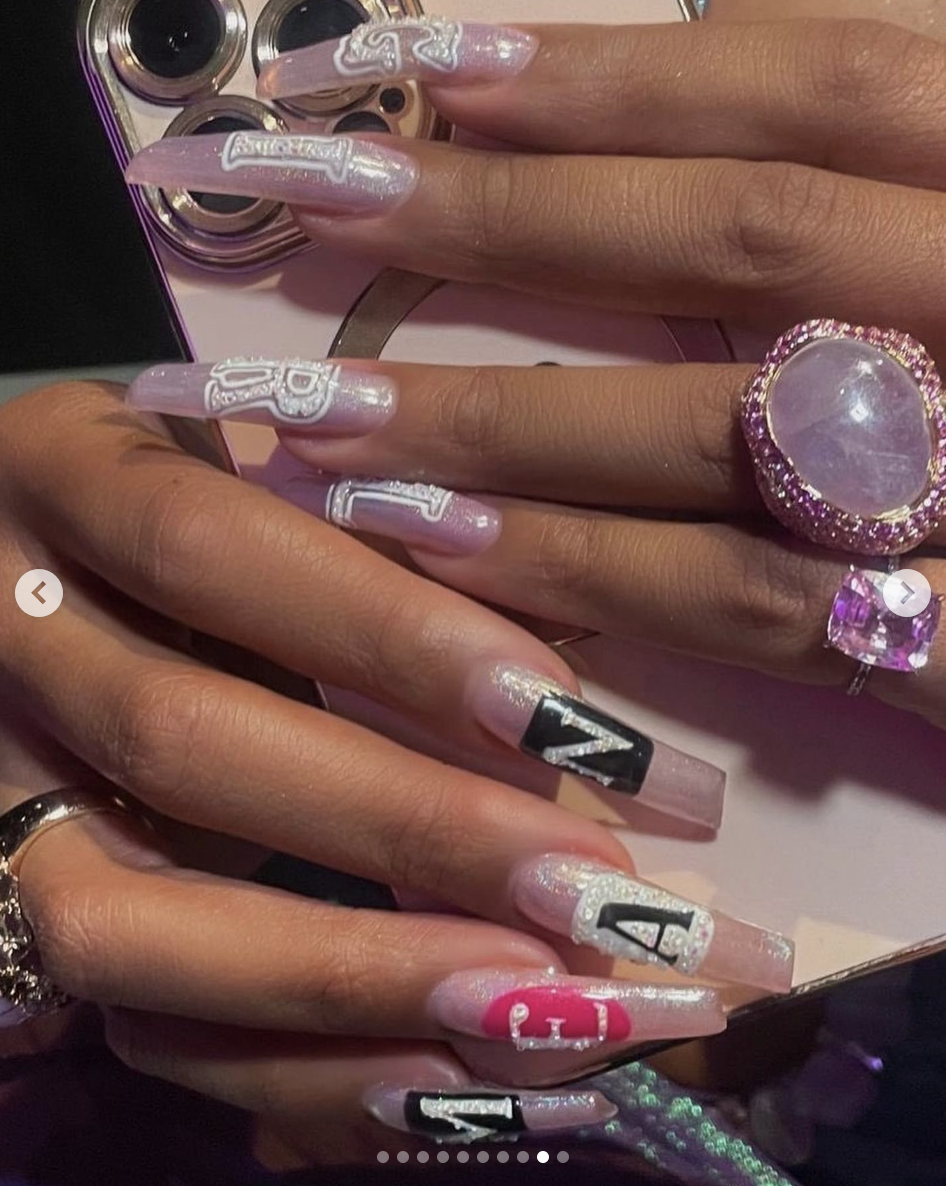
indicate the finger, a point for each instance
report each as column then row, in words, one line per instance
column 665, row 437
column 116, row 925
column 762, row 243
column 327, row 1085
column 176, row 735
column 717, row 591
column 854, row 96
column 231, row 560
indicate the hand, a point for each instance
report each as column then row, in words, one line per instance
column 703, row 188
column 151, row 543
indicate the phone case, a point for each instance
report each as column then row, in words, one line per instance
column 835, row 823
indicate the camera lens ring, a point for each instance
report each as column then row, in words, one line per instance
column 205, row 79
column 183, row 203
column 266, row 47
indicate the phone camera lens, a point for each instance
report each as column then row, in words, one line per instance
column 222, row 214
column 285, row 25
column 173, row 51
column 361, row 121
column 175, row 38
column 315, row 20
column 222, row 203
column 393, row 100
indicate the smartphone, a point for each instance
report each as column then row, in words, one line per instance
column 832, row 805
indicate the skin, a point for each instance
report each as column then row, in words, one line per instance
column 308, row 1094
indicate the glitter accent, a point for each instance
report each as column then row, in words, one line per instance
column 331, row 155
column 293, row 390
column 378, row 49
column 429, row 502
column 798, row 505
column 680, row 939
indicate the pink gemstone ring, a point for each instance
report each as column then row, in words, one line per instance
column 865, row 625
column 847, row 430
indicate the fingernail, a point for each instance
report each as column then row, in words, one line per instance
column 337, row 399
column 429, row 49
column 548, row 1012
column 541, row 718
column 333, row 175
column 481, row 1113
column 597, row 906
column 417, row 514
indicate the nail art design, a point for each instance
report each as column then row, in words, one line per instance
column 416, row 513
column 551, row 1012
column 340, row 398
column 429, row 49
column 599, row 907
column 477, row 1114
column 545, row 720
column 332, row 175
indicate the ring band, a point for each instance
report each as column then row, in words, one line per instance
column 25, row 989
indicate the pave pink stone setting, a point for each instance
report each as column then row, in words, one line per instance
column 863, row 627
column 803, row 508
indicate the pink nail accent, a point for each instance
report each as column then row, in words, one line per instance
column 538, row 1017
column 598, row 906
column 553, row 1012
column 537, row 715
column 331, row 175
column 331, row 398
column 429, row 49
column 417, row 514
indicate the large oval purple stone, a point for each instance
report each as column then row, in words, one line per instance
column 852, row 421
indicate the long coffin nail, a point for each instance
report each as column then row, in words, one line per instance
column 483, row 1113
column 550, row 1012
column 541, row 718
column 597, row 906
column 429, row 49
column 332, row 175
column 417, row 514
column 334, row 399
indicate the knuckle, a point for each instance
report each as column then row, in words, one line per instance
column 775, row 602
column 38, row 419
column 174, row 529
column 770, row 240
column 72, row 929
column 498, row 197
column 473, row 412
column 423, row 834
column 567, row 548
column 153, row 730
column 863, row 68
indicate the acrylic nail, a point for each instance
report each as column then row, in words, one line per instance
column 331, row 398
column 598, row 906
column 543, row 719
column 478, row 1113
column 332, row 175
column 553, row 1012
column 415, row 513
column 429, row 49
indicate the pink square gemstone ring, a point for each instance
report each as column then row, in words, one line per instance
column 847, row 430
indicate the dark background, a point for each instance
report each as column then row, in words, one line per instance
column 80, row 284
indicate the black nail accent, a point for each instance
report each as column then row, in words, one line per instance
column 462, row 1116
column 613, row 914
column 561, row 726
